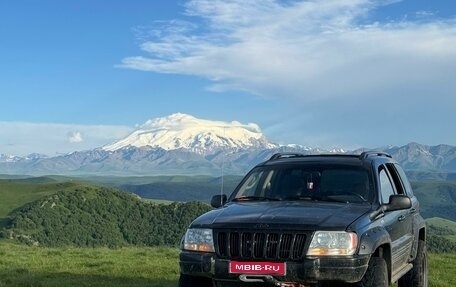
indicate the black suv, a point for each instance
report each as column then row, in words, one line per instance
column 311, row 220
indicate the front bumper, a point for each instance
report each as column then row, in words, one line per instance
column 309, row 270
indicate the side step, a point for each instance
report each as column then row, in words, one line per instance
column 402, row 272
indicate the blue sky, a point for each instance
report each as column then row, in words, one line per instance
column 76, row 75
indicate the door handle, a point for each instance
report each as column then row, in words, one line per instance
column 412, row 210
column 400, row 218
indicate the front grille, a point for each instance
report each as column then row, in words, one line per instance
column 260, row 245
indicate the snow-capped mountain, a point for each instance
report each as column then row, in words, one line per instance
column 183, row 144
column 12, row 158
column 8, row 158
column 182, row 131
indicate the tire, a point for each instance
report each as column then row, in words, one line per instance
column 376, row 274
column 418, row 276
column 193, row 281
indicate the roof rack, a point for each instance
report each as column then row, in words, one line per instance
column 286, row 155
column 366, row 154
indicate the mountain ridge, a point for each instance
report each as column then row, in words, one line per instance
column 147, row 160
column 183, row 144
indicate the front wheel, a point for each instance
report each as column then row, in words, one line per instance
column 193, row 281
column 418, row 276
column 376, row 274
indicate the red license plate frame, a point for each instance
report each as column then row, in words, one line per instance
column 258, row 268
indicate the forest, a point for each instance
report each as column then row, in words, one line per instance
column 98, row 216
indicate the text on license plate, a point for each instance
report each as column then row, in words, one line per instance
column 269, row 268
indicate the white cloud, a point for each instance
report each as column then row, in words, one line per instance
column 23, row 138
column 75, row 137
column 424, row 14
column 304, row 51
column 334, row 76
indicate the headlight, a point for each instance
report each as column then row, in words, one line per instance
column 198, row 239
column 333, row 243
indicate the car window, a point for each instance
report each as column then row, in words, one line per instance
column 386, row 187
column 348, row 180
column 252, row 186
column 403, row 179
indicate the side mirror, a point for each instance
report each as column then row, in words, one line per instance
column 398, row 202
column 218, row 200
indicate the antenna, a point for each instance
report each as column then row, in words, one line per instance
column 222, row 171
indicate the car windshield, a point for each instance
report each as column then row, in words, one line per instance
column 335, row 183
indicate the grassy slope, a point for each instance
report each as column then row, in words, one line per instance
column 442, row 270
column 437, row 198
column 16, row 193
column 442, row 223
column 445, row 224
column 168, row 188
column 101, row 267
column 132, row 266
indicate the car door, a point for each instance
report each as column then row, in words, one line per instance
column 398, row 223
column 403, row 187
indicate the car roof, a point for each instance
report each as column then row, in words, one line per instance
column 346, row 159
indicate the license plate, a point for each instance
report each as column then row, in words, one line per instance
column 258, row 268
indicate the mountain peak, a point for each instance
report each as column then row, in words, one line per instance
column 183, row 131
column 176, row 119
column 181, row 121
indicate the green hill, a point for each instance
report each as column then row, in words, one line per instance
column 437, row 198
column 98, row 216
column 441, row 235
column 444, row 224
column 14, row 193
column 54, row 211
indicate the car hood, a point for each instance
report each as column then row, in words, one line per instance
column 284, row 215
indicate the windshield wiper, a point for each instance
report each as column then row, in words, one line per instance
column 252, row 198
column 301, row 197
column 332, row 199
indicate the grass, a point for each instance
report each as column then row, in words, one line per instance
column 442, row 270
column 28, row 266
column 14, row 195
column 442, row 223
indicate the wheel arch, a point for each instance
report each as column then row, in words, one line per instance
column 377, row 242
column 422, row 234
column 372, row 239
column 384, row 251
